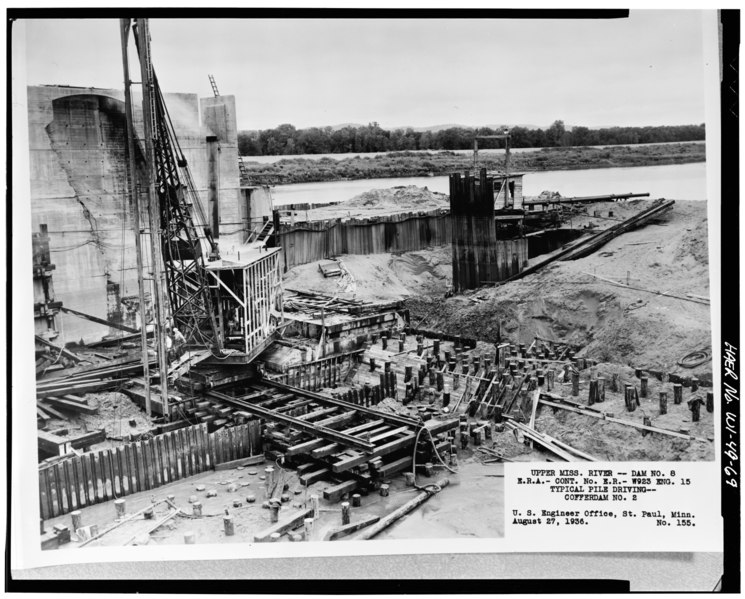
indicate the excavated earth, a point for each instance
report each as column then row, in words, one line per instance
column 627, row 306
column 612, row 323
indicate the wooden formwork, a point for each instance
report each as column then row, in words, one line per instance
column 107, row 474
column 308, row 242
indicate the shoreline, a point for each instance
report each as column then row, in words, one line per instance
column 410, row 164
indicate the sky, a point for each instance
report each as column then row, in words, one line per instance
column 644, row 70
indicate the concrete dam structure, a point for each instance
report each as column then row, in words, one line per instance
column 81, row 214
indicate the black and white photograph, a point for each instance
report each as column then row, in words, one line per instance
column 306, row 280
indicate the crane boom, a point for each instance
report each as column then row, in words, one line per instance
column 180, row 245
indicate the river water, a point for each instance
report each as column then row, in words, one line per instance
column 676, row 181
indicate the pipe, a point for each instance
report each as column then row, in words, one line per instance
column 403, row 510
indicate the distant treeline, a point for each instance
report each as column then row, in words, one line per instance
column 286, row 139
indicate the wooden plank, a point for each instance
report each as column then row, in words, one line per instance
column 289, row 523
column 173, row 457
column 172, row 466
column 121, row 462
column 230, row 444
column 86, row 461
column 53, row 444
column 316, row 475
column 347, row 529
column 111, row 470
column 531, row 434
column 318, row 413
column 54, row 488
column 51, row 411
column 183, row 452
column 105, row 469
column 225, row 444
column 211, row 449
column 191, row 450
column 45, row 504
column 571, row 449
column 305, row 447
column 246, row 440
column 71, row 406
column 165, row 474
column 217, row 446
column 239, row 430
column 257, row 442
column 359, row 459
column 87, row 439
column 247, row 461
column 98, row 477
column 87, row 387
column 208, row 454
column 334, row 493
column 309, row 446
column 131, row 459
column 153, row 465
column 118, row 480
column 326, row 451
column 396, row 466
column 175, row 443
column 116, row 487
column 159, row 471
column 155, row 457
column 145, row 464
column 389, row 433
column 199, row 451
column 68, row 354
column 66, row 487
column 141, row 469
column 80, row 486
column 202, row 447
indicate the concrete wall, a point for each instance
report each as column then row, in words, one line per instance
column 218, row 116
column 258, row 204
column 78, row 189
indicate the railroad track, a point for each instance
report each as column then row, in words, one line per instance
column 332, row 438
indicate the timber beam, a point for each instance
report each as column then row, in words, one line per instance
column 271, row 415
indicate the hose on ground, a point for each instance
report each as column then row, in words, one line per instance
column 435, row 487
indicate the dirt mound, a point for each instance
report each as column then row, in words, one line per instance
column 379, row 277
column 549, row 195
column 382, row 202
column 401, row 197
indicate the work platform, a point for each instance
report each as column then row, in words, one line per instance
column 248, row 297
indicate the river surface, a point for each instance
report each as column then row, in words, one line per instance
column 484, row 151
column 675, row 181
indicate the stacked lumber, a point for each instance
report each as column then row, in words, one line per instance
column 66, row 392
column 59, row 442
